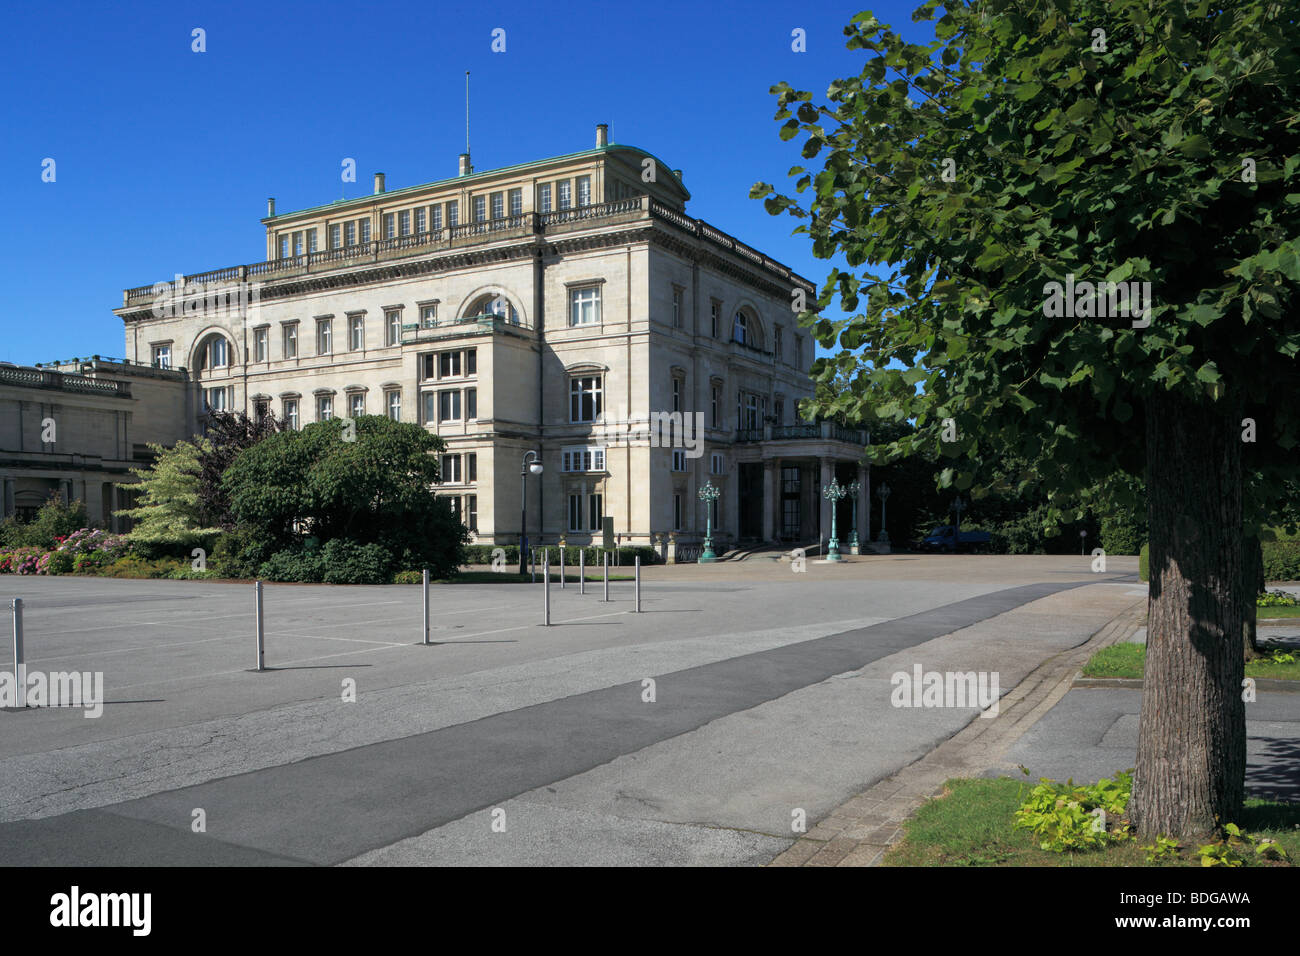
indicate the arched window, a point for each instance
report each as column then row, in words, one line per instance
column 213, row 354
column 493, row 303
column 740, row 328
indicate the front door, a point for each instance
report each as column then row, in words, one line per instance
column 791, row 526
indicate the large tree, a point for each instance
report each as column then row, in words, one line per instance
column 1137, row 141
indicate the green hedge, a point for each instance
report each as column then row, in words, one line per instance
column 1281, row 561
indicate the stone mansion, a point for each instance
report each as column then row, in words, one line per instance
column 567, row 306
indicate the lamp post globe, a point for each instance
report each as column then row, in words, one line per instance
column 531, row 465
column 833, row 493
column 708, row 494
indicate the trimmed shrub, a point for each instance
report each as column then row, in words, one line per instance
column 300, row 566
column 346, row 562
column 408, row 577
column 133, row 566
column 20, row 560
column 1122, row 533
column 54, row 521
column 1281, row 560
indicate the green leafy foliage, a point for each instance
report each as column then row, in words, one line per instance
column 295, row 490
column 1236, row 847
column 1162, row 849
column 1065, row 817
column 167, row 512
column 1281, row 560
column 53, row 521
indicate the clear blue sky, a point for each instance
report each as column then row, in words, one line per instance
column 165, row 157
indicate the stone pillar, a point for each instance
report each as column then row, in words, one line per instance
column 6, row 497
column 670, row 553
column 769, row 498
column 824, row 506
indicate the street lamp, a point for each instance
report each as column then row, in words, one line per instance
column 833, row 493
column 853, row 489
column 708, row 494
column 883, row 494
column 530, row 465
column 1083, row 534
column 958, row 505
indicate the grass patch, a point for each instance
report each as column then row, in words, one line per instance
column 1280, row 610
column 971, row 825
column 1129, row 660
column 1118, row 660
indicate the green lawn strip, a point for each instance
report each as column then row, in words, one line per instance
column 1278, row 611
column 972, row 825
column 1128, row 660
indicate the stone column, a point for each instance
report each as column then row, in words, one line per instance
column 864, row 506
column 6, row 497
column 769, row 498
column 824, row 506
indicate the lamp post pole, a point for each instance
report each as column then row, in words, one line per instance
column 833, row 493
column 530, row 465
column 708, row 494
column 853, row 489
column 883, row 494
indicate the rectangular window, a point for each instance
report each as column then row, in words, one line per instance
column 324, row 408
column 584, row 398
column 311, row 240
column 324, row 336
column 450, row 469
column 449, row 406
column 679, row 459
column 435, row 216
column 219, row 353
column 448, row 364
column 420, row 220
column 516, row 202
column 584, row 306
column 544, row 197
column 575, row 512
column 393, row 323
column 162, row 356
column 777, row 344
column 291, row 412
column 471, row 404
column 216, row 399
column 677, row 308
column 350, row 233
column 297, row 243
column 713, row 318
column 471, row 466
column 471, row 512
column 291, row 340
column 390, row 225
column 393, row 400
column 580, row 458
column 480, row 208
column 565, row 193
column 453, row 214
column 357, row 404
column 584, row 190
column 798, row 353
column 717, row 464
column 677, row 512
column 595, row 511
column 284, row 247
column 498, row 206
column 752, row 421
column 261, row 350
column 716, row 399
column 677, row 394
column 471, row 361
column 336, row 238
column 356, row 333
column 430, row 407
column 404, row 222
column 365, row 230
column 428, row 316
column 778, row 411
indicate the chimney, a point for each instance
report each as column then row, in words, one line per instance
column 678, row 174
column 602, row 134
column 379, row 182
column 465, row 167
column 270, row 208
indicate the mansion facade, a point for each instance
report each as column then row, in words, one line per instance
column 569, row 307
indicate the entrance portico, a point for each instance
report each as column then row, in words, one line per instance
column 782, row 471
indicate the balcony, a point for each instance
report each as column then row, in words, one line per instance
column 804, row 431
column 469, row 325
column 63, row 382
column 522, row 227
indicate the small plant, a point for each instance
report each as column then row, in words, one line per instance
column 1233, row 849
column 1276, row 599
column 1068, row 817
column 1162, row 849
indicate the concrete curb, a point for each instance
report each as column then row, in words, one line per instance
column 860, row 831
column 1135, row 683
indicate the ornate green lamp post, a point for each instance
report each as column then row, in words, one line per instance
column 833, row 493
column 853, row 489
column 708, row 494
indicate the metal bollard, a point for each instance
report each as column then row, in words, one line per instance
column 582, row 571
column 561, row 567
column 606, row 597
column 20, row 667
column 261, row 634
column 546, row 590
column 638, row 584
column 426, row 605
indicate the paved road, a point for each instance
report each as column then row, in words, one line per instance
column 771, row 697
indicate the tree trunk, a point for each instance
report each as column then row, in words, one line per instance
column 1252, row 585
column 1191, row 764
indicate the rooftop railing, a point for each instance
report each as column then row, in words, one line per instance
column 832, row 431
column 491, row 230
column 63, row 382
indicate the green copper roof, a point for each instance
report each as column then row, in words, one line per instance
column 595, row 151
